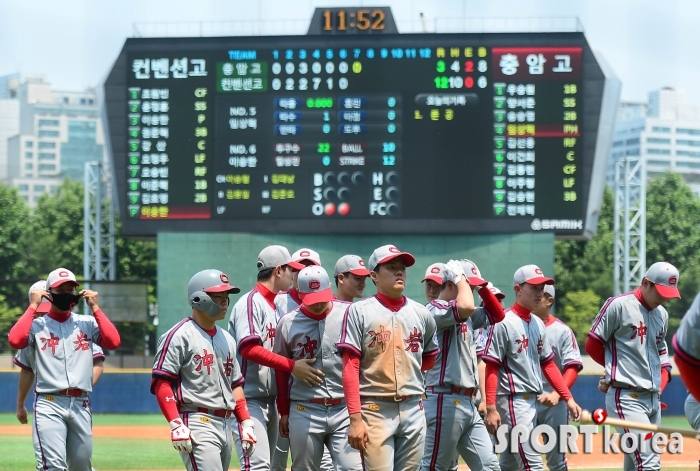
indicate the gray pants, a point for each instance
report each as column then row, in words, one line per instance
column 264, row 415
column 62, row 433
column 315, row 428
column 396, row 433
column 213, row 449
column 554, row 417
column 636, row 406
column 519, row 409
column 455, row 426
column 692, row 412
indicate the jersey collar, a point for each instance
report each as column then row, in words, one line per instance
column 522, row 312
column 294, row 294
column 57, row 316
column 394, row 305
column 316, row 317
column 267, row 294
column 640, row 297
column 550, row 320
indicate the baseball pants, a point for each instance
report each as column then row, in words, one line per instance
column 62, row 432
column 453, row 423
column 314, row 428
column 554, row 417
column 213, row 436
column 519, row 409
column 637, row 406
column 396, row 433
column 263, row 412
column 280, row 456
column 692, row 412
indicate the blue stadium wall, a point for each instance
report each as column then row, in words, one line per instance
column 128, row 393
column 181, row 255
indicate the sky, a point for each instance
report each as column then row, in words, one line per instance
column 73, row 43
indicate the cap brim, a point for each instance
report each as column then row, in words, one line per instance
column 296, row 266
column 476, row 281
column 323, row 296
column 408, row 259
column 499, row 295
column 63, row 281
column 313, row 262
column 44, row 307
column 222, row 289
column 435, row 278
column 539, row 280
column 668, row 292
column 360, row 272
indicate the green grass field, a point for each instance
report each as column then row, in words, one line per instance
column 112, row 454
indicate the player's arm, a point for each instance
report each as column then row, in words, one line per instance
column 481, row 366
column 26, row 380
column 246, row 426
column 554, row 377
column 494, row 352
column 98, row 367
column 281, row 347
column 18, row 336
column 603, row 328
column 430, row 346
column 464, row 303
column 571, row 366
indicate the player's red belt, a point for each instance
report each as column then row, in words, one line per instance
column 453, row 390
column 391, row 398
column 326, row 401
column 224, row 413
column 72, row 392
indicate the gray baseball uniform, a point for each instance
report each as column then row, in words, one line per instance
column 204, row 371
column 286, row 301
column 61, row 356
column 686, row 344
column 253, row 319
column 518, row 347
column 453, row 422
column 391, row 346
column 634, row 339
column 566, row 355
column 313, row 425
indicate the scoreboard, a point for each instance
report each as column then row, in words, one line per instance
column 392, row 133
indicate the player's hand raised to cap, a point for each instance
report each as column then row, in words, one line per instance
column 35, row 298
column 453, row 271
column 308, row 374
column 90, row 298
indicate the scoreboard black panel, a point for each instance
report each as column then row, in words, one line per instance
column 419, row 133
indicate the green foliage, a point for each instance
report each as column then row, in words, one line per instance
column 14, row 218
column 8, row 316
column 580, row 308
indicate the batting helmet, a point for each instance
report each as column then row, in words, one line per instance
column 205, row 282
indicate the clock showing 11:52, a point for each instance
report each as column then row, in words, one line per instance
column 355, row 19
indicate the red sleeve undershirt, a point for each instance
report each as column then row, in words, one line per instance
column 351, row 381
column 554, row 378
column 428, row 362
column 262, row 356
column 492, row 305
column 665, row 378
column 164, row 390
column 491, row 383
column 109, row 333
column 19, row 333
column 690, row 374
column 596, row 350
column 570, row 376
column 282, row 380
column 240, row 411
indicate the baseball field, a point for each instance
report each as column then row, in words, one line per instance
column 141, row 442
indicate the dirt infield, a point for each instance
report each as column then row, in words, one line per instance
column 689, row 457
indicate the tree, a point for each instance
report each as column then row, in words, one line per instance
column 14, row 219
column 580, row 309
column 8, row 317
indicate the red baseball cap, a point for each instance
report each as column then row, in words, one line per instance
column 314, row 285
column 665, row 279
column 471, row 271
column 532, row 275
column 352, row 264
column 386, row 253
column 434, row 273
column 60, row 276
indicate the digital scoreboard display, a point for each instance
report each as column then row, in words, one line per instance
column 421, row 133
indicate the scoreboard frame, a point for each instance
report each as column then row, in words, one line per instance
column 600, row 95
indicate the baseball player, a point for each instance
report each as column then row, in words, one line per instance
column 628, row 338
column 480, row 340
column 454, row 424
column 567, row 357
column 253, row 325
column 350, row 276
column 23, row 361
column 288, row 299
column 60, row 353
column 387, row 340
column 198, row 360
column 686, row 344
column 517, row 354
column 433, row 281
column 317, row 416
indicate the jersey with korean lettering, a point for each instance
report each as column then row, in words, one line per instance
column 253, row 319
column 301, row 336
column 23, row 357
column 456, row 363
column 518, row 347
column 687, row 338
column 634, row 339
column 563, row 342
column 391, row 345
column 286, row 301
column 61, row 352
column 202, row 368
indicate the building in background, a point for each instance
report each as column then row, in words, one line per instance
column 9, row 117
column 665, row 131
column 57, row 133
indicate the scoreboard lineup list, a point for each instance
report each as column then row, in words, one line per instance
column 354, row 132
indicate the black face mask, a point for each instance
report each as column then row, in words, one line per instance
column 64, row 301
